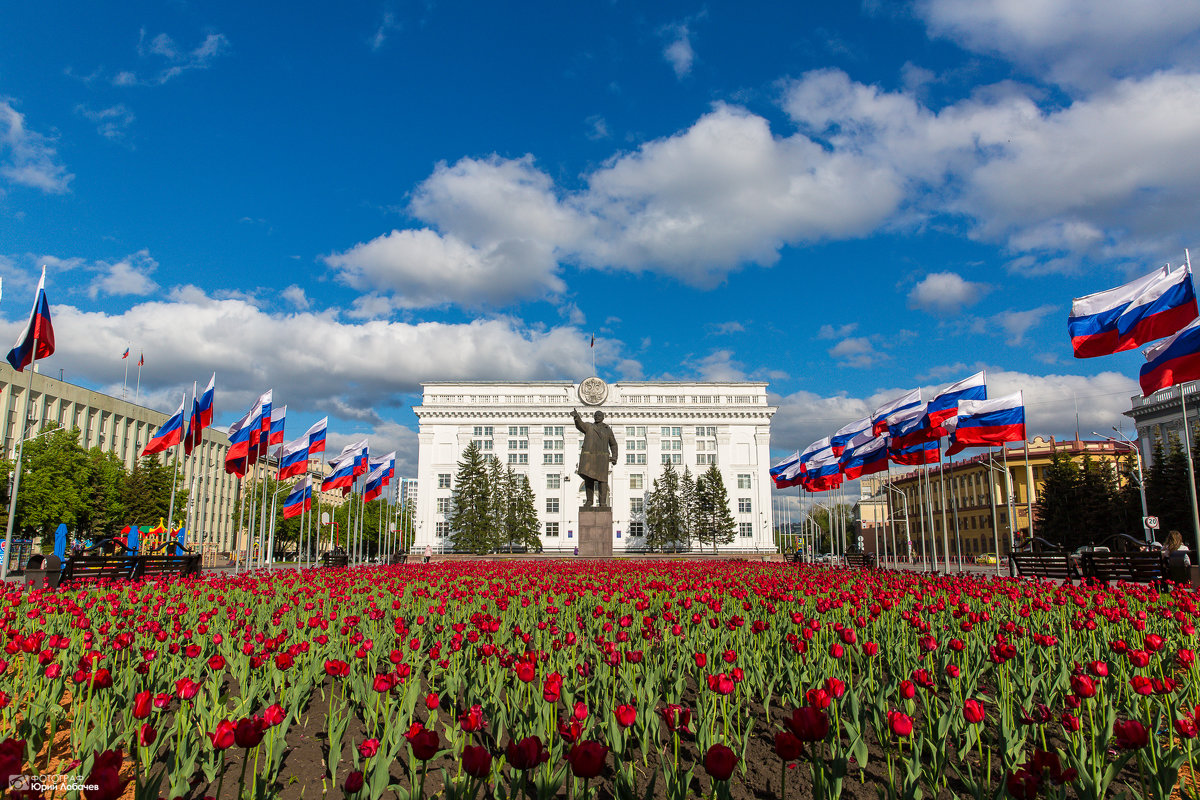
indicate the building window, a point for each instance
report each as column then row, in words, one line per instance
column 518, row 444
column 672, row 458
column 706, row 432
column 551, row 505
column 746, row 530
column 553, row 431
column 443, row 505
column 637, row 481
column 443, row 481
column 552, row 458
column 637, row 530
column 518, row 430
column 441, row 529
column 483, row 430
column 518, row 458
column 744, row 505
column 552, row 530
column 636, row 431
column 706, row 458
column 552, row 481
column 743, row 481
column 635, row 458
column 637, row 505
column 553, row 444
column 483, row 444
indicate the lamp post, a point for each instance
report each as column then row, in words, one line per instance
column 907, row 530
column 991, row 465
column 1133, row 448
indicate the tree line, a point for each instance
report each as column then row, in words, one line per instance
column 90, row 491
column 492, row 506
column 681, row 509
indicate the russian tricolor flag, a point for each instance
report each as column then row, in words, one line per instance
column 342, row 476
column 917, row 454
column 1149, row 308
column 374, row 487
column 1172, row 361
column 983, row 423
column 866, row 458
column 822, row 473
column 260, row 426
column 299, row 500
column 38, row 327
column 278, row 420
column 845, row 433
column 237, row 460
column 944, row 405
column 904, row 402
column 202, row 415
column 293, row 460
column 170, row 434
column 316, row 436
column 782, row 467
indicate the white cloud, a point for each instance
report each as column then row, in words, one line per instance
column 296, row 296
column 112, row 123
column 1014, row 324
column 723, row 328
column 719, row 365
column 678, row 52
column 178, row 59
column 945, row 293
column 1074, row 42
column 423, row 268
column 125, row 276
column 386, row 26
column 857, row 351
column 315, row 362
column 836, row 332
column 28, row 158
column 597, row 128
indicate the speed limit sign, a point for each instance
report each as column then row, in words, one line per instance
column 1152, row 523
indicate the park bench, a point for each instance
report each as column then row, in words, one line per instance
column 1048, row 563
column 397, row 558
column 860, row 560
column 335, row 560
column 108, row 559
column 1129, row 559
column 157, row 565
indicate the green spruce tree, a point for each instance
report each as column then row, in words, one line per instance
column 664, row 514
column 689, row 506
column 715, row 520
column 526, row 527
column 470, row 512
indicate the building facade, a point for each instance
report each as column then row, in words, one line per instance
column 528, row 426
column 972, row 506
column 1159, row 416
column 121, row 427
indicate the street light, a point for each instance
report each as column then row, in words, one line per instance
column 907, row 529
column 1141, row 483
column 991, row 465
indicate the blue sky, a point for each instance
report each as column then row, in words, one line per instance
column 845, row 200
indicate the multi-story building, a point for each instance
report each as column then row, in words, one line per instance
column 121, row 427
column 970, row 505
column 528, row 425
column 1160, row 416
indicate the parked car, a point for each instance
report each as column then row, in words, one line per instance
column 985, row 558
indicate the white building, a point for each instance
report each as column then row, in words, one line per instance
column 528, row 425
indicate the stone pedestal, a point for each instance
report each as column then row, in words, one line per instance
column 595, row 532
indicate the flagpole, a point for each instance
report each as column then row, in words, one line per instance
column 1008, row 485
column 1187, row 440
column 237, row 551
column 995, row 519
column 137, row 398
column 253, row 510
column 945, row 520
column 12, row 499
column 125, row 385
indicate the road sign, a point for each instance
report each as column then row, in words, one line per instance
column 1151, row 523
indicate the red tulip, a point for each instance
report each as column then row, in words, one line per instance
column 222, row 738
column 835, row 688
column 907, row 690
column 1131, row 734
column 1186, row 727
column 368, row 748
column 384, row 683
column 425, row 743
column 677, row 718
column 787, row 746
column 106, row 776
column 721, row 684
column 870, row 648
column 587, row 759
column 901, row 724
column 147, row 734
column 274, row 715
column 337, row 669
column 552, row 688
column 432, row 701
column 1098, row 668
column 1153, row 642
column 141, row 705
column 186, row 688
column 526, row 671
column 973, row 712
column 477, row 762
column 1138, row 658
column 626, row 715
column 472, row 719
column 217, row 662
column 818, row 698
column 354, row 782
column 249, row 732
column 581, row 710
column 701, row 659
column 1083, row 686
column 526, row 754
column 1071, row 723
column 809, row 724
column 719, row 762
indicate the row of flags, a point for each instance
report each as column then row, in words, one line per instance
column 174, row 432
column 1160, row 305
column 906, row 431
column 141, row 358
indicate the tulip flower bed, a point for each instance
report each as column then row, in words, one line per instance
column 615, row 679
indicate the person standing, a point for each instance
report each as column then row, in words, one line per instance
column 428, row 554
